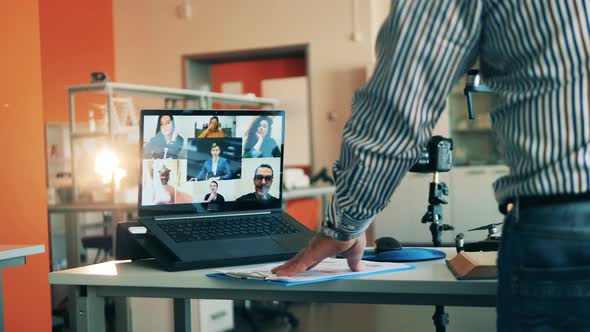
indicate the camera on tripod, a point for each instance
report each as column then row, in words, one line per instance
column 436, row 156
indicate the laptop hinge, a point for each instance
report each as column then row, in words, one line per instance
column 177, row 217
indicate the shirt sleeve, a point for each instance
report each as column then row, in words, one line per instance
column 422, row 49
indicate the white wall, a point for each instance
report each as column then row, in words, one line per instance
column 150, row 40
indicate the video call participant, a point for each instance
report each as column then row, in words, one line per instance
column 259, row 143
column 166, row 143
column 213, row 130
column 214, row 196
column 216, row 168
column 164, row 193
column 263, row 177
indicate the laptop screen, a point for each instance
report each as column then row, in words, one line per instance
column 206, row 161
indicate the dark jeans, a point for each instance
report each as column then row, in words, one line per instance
column 544, row 269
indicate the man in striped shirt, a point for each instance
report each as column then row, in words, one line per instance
column 535, row 55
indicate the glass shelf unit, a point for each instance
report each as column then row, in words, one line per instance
column 473, row 140
column 116, row 133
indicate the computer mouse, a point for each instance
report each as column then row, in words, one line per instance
column 387, row 243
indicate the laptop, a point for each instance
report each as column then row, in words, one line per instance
column 210, row 190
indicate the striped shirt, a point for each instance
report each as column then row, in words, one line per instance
column 533, row 53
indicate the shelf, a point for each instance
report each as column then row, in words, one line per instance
column 472, row 131
column 308, row 192
column 92, row 135
column 172, row 93
column 103, row 134
column 112, row 128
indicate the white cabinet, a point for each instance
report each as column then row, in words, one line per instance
column 472, row 197
column 293, row 95
column 157, row 315
column 471, row 204
column 402, row 216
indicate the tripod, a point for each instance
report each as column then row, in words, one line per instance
column 434, row 215
column 436, row 157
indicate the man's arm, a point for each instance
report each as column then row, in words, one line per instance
column 422, row 48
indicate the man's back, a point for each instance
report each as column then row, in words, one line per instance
column 535, row 55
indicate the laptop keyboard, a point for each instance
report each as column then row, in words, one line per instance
column 217, row 229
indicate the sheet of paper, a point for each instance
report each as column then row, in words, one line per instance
column 330, row 268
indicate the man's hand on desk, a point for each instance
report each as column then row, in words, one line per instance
column 321, row 247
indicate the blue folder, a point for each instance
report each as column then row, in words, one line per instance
column 294, row 283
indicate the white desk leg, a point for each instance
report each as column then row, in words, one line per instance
column 122, row 314
column 90, row 310
column 72, row 240
column 73, row 258
column 182, row 315
column 4, row 264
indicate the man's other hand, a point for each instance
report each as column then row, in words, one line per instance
column 321, row 247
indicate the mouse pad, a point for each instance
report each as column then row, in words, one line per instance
column 403, row 255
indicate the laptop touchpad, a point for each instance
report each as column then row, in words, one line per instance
column 253, row 247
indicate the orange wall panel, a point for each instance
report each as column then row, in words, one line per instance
column 76, row 39
column 27, row 304
column 306, row 211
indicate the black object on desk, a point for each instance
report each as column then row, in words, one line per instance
column 490, row 243
column 127, row 245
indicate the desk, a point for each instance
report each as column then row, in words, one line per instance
column 73, row 240
column 431, row 283
column 14, row 255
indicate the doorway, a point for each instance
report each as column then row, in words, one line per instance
column 280, row 73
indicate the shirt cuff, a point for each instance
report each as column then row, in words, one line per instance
column 341, row 227
column 341, row 236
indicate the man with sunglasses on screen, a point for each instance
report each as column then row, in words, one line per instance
column 263, row 177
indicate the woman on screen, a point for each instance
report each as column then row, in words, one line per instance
column 213, row 129
column 166, row 143
column 259, row 143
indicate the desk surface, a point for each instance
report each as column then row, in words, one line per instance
column 8, row 251
column 430, row 283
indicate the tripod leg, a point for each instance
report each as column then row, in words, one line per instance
column 440, row 318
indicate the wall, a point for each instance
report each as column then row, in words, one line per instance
column 251, row 73
column 23, row 203
column 76, row 39
column 150, row 43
